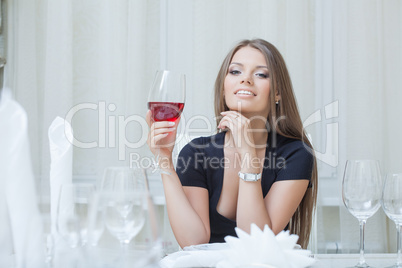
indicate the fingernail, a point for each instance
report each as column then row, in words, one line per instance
column 172, row 123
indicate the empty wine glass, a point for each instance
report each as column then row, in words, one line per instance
column 96, row 220
column 72, row 213
column 361, row 194
column 125, row 214
column 116, row 179
column 123, row 199
column 392, row 206
column 124, row 207
column 166, row 101
column 47, row 239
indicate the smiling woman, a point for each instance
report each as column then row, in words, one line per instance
column 206, row 202
column 263, row 71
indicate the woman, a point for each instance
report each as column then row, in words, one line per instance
column 260, row 168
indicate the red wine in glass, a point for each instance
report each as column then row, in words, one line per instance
column 166, row 99
column 165, row 111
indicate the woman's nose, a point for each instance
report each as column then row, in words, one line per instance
column 246, row 79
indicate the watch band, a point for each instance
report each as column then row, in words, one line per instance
column 249, row 176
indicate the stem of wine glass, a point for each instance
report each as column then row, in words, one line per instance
column 398, row 244
column 157, row 160
column 49, row 250
column 123, row 253
column 362, row 227
column 157, row 166
column 124, row 244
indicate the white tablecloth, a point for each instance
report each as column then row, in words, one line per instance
column 323, row 260
column 349, row 260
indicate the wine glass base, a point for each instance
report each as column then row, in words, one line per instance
column 156, row 168
column 361, row 265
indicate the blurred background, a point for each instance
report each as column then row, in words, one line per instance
column 93, row 61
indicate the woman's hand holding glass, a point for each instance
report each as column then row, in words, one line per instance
column 162, row 136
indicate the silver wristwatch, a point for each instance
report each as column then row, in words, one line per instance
column 249, row 176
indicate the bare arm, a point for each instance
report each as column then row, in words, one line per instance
column 188, row 211
column 275, row 210
column 187, row 206
column 282, row 201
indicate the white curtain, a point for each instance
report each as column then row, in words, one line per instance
column 360, row 67
column 100, row 56
column 97, row 57
column 367, row 77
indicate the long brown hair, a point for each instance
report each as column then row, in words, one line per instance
column 283, row 118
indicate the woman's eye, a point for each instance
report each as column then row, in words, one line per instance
column 262, row 75
column 234, row 72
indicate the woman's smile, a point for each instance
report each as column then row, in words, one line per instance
column 245, row 92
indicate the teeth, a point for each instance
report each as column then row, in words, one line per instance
column 244, row 92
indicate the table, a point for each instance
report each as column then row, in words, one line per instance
column 349, row 260
column 323, row 260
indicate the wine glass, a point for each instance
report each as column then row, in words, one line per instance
column 125, row 214
column 116, row 179
column 47, row 238
column 72, row 213
column 96, row 219
column 392, row 206
column 361, row 194
column 124, row 207
column 123, row 193
column 166, row 99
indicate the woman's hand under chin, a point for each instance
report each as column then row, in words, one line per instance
column 241, row 130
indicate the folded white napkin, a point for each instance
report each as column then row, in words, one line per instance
column 257, row 249
column 19, row 214
column 61, row 163
column 264, row 249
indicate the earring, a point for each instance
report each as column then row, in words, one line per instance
column 277, row 102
